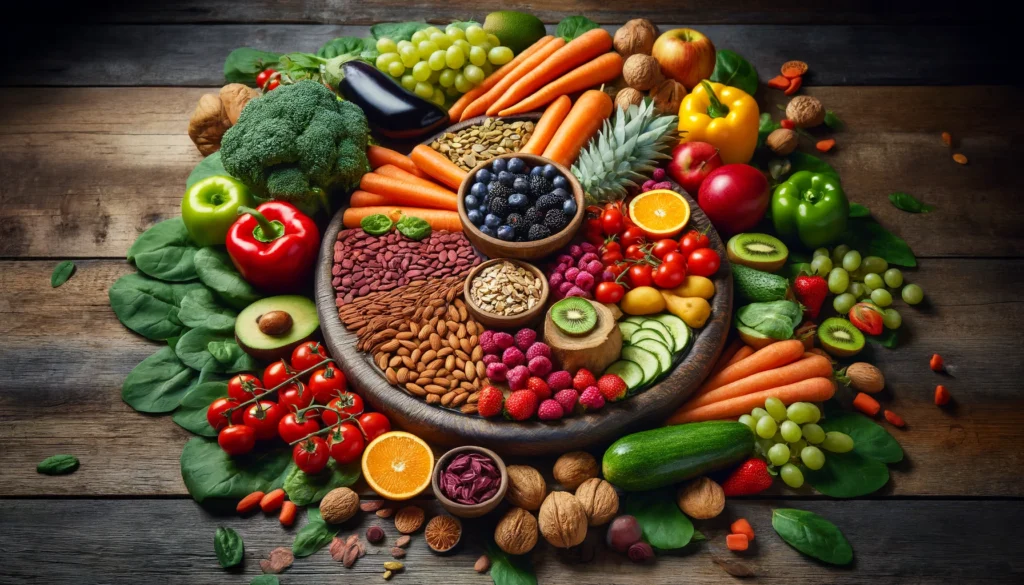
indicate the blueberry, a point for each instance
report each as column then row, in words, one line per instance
column 482, row 209
column 521, row 185
column 484, row 176
column 478, row 189
column 487, row 230
column 506, row 178
column 472, row 201
column 507, row 233
column 536, row 170
column 518, row 200
column 499, row 165
column 561, row 193
column 475, row 216
column 560, row 182
column 516, row 165
column 550, row 172
column 569, row 207
column 492, row 220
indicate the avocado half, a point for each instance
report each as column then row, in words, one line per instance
column 271, row 328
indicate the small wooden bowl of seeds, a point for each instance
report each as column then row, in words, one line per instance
column 506, row 294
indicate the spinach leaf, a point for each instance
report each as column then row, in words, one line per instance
column 211, row 166
column 573, row 26
column 191, row 415
column 305, row 489
column 165, row 252
column 909, row 203
column 158, row 383
column 61, row 273
column 848, row 475
column 199, row 308
column 396, row 31
column 58, row 465
column 341, row 46
column 664, row 525
column 203, row 348
column 731, row 69
column 812, row 535
column 149, row 307
column 890, row 338
column 766, row 125
column 209, row 472
column 265, row 580
column 869, row 438
column 315, row 535
column 243, row 64
column 833, row 121
column 801, row 161
column 217, row 272
column 509, row 570
column 868, row 236
column 229, row 547
column 413, row 228
column 858, row 210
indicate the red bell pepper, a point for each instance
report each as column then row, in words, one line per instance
column 274, row 246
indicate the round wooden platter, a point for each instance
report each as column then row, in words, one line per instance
column 449, row 427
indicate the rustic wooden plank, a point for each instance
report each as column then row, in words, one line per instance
column 138, row 541
column 67, row 356
column 87, row 169
column 190, row 55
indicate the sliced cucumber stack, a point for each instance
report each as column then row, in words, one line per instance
column 648, row 362
column 651, row 346
column 630, row 373
column 628, row 329
column 678, row 329
column 660, row 350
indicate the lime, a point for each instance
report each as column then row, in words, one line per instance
column 516, row 30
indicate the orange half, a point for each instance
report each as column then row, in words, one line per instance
column 660, row 213
column 397, row 465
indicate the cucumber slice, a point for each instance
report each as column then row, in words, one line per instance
column 627, row 329
column 638, row 319
column 666, row 335
column 642, row 334
column 680, row 330
column 647, row 361
column 660, row 350
column 630, row 373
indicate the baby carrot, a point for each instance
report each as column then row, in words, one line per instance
column 737, row 542
column 768, row 358
column 866, row 404
column 249, row 503
column 548, row 125
column 812, row 390
column 483, row 103
column 942, row 396
column 741, row 526
column 272, row 501
column 814, row 366
column 894, row 419
column 380, row 156
column 287, row 516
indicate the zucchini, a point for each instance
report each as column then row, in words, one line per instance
column 660, row 457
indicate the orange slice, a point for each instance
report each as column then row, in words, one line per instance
column 660, row 213
column 397, row 465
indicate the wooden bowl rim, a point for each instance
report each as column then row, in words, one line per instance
column 527, row 315
column 490, row 502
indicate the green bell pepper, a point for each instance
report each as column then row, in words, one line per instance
column 210, row 206
column 810, row 208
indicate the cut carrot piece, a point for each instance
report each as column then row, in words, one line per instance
column 249, row 503
column 779, row 82
column 794, row 69
column 741, row 526
column 942, row 396
column 272, row 501
column 794, row 85
column 380, row 156
column 936, row 363
column 894, row 419
column 866, row 404
column 737, row 542
column 825, row 145
column 287, row 517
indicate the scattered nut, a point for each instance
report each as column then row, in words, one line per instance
column 668, row 96
column 636, row 36
column 482, row 564
column 385, row 512
column 208, row 124
column 782, row 141
column 865, row 377
column 387, row 575
column 574, row 468
column 641, row 72
column 701, row 499
column 403, row 541
column 409, row 519
column 235, row 96
column 443, row 533
column 526, row 487
column 805, row 111
column 397, row 552
column 563, row 522
column 516, row 532
column 371, row 505
column 339, row 505
column 375, row 534
column 393, row 565
column 628, row 96
column 599, row 500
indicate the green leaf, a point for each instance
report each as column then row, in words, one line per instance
column 812, row 535
column 802, row 161
column 396, row 31
column 872, row 239
column 341, row 46
column 833, row 121
column 775, row 319
column 858, row 210
column 889, row 339
column 149, row 307
column 869, row 438
column 848, row 475
column 698, row 536
column 165, row 252
column 61, row 273
column 573, row 26
column 315, row 535
column 265, row 580
column 510, row 570
column 200, row 308
column 413, row 228
column 211, row 166
column 243, row 64
column 305, row 489
column 58, row 465
column 664, row 525
column 909, row 203
column 217, row 272
column 209, row 472
column 201, row 348
column 229, row 547
column 733, row 70
column 191, row 415
column 766, row 125
column 158, row 383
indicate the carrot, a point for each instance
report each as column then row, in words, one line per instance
column 737, row 542
column 812, row 390
column 380, row 156
column 455, row 112
column 398, row 173
column 437, row 166
column 727, row 355
column 794, row 85
column 741, row 526
column 582, row 49
column 439, row 219
column 744, row 352
column 598, row 71
column 942, row 396
column 272, row 501
column 547, row 125
column 792, row 69
column 866, row 404
column 779, row 82
column 825, row 145
column 582, row 122
column 894, row 419
column 481, row 104
column 287, row 517
column 936, row 363
column 803, row 369
column 249, row 503
column 367, row 199
column 402, row 192
column 771, row 357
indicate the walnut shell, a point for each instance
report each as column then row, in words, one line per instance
column 628, row 96
column 563, row 521
column 516, row 532
column 668, row 96
column 635, row 37
column 865, row 377
column 702, row 499
column 526, row 487
column 641, row 72
column 339, row 505
column 574, row 468
column 805, row 111
column 208, row 124
column 235, row 96
column 599, row 500
column 782, row 141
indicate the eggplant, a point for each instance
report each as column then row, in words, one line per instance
column 391, row 110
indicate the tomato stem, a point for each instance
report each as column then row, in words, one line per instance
column 329, row 428
column 291, row 379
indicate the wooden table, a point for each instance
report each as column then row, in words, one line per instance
column 93, row 151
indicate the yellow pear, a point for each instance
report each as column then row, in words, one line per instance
column 693, row 310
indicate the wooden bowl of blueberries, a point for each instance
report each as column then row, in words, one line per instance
column 520, row 206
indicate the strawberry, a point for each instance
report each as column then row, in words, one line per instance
column 612, row 387
column 539, row 387
column 489, row 402
column 583, row 380
column 521, row 405
column 867, row 317
column 750, row 478
column 811, row 292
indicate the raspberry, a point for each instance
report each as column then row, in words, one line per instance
column 575, row 291
column 512, row 357
column 567, row 398
column 517, row 377
column 658, row 175
column 588, row 247
column 540, row 366
column 559, row 380
column 487, row 343
column 571, row 274
column 564, row 259
column 503, row 340
column 539, row 348
column 592, row 399
column 585, row 280
column 556, row 279
column 497, row 371
column 550, row 410
column 525, row 338
column 595, row 267
column 491, row 359
column 612, row 387
column 521, row 405
column 587, row 259
column 575, row 251
column 583, row 380
column 539, row 387
column 490, row 402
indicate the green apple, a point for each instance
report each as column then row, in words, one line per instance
column 210, row 206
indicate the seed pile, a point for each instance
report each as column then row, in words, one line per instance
column 480, row 143
column 505, row 289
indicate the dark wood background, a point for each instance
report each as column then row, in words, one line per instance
column 94, row 103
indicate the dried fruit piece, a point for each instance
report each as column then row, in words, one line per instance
column 779, row 82
column 375, row 534
column 794, row 85
column 443, row 533
column 385, row 512
column 279, row 559
column 942, row 396
column 825, row 145
column 482, row 564
column 409, row 519
column 936, row 363
column 960, row 158
column 793, row 69
column 371, row 505
column 403, row 541
column 733, row 567
column 894, row 419
column 947, row 139
column 397, row 552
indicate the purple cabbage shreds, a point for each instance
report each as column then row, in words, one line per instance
column 470, row 478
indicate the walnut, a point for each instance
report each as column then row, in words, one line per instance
column 409, row 519
column 339, row 505
column 516, row 532
column 526, row 487
column 574, row 468
column 782, row 141
column 599, row 500
column 668, row 96
column 641, row 72
column 805, row 111
column 702, row 499
column 208, row 124
column 865, row 377
column 628, row 96
column 635, row 37
column 563, row 522
column 235, row 96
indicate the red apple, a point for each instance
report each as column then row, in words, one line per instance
column 734, row 197
column 691, row 163
column 685, row 55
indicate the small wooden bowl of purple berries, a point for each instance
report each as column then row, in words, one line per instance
column 469, row 481
column 520, row 206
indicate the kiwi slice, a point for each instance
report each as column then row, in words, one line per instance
column 840, row 338
column 574, row 316
column 759, row 251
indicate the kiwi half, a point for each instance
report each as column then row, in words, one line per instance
column 574, row 316
column 840, row 338
column 760, row 251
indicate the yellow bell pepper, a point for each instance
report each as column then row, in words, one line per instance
column 723, row 116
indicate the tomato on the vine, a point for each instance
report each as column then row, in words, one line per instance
column 236, row 439
column 311, row 455
column 611, row 257
column 617, row 269
column 609, row 292
column 326, row 383
column 669, row 275
column 262, row 418
column 611, row 221
column 675, row 258
column 611, row 245
column 263, row 76
column 276, row 373
column 293, row 427
column 245, row 386
column 295, row 396
column 593, row 232
column 347, row 402
column 346, row 443
column 663, row 247
column 635, row 252
column 640, row 275
column 217, row 416
column 308, row 355
column 632, row 235
column 693, row 240
column 703, row 262
column 374, row 424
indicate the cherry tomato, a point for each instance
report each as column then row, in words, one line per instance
column 692, row 241
column 348, row 403
column 703, row 262
column 308, row 355
column 635, row 252
column 346, row 443
column 244, row 386
column 263, row 417
column 273, row 84
column 609, row 292
column 217, row 417
column 295, row 396
column 236, row 439
column 612, row 246
column 675, row 258
column 326, row 383
column 374, row 424
column 611, row 221
column 669, row 275
column 593, row 232
column 611, row 257
column 311, row 455
column 291, row 428
column 276, row 373
column 632, row 235
column 663, row 247
column 617, row 268
column 263, row 76
column 787, row 124
column 640, row 275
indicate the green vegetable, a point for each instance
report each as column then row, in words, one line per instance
column 216, row 271
column 296, row 143
column 812, row 535
column 229, row 547
column 165, row 251
column 377, row 224
column 210, row 207
column 660, row 457
column 305, row 489
column 61, row 273
column 573, row 26
column 858, row 210
column 149, row 307
column 243, row 64
column 265, row 580
column 800, row 161
column 510, row 570
column 810, row 208
column 863, row 470
column 872, row 239
column 733, row 70
column 210, row 166
column 199, row 308
column 766, row 125
column 191, row 414
column 890, row 338
column 413, row 228
column 664, row 526
column 396, row 31
column 201, row 348
column 210, row 473
column 758, row 286
column 314, row 535
column 158, row 383
column 58, row 465
column 909, row 203
column 343, row 46
column 833, row 121
column 774, row 319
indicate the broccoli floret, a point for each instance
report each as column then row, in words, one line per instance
column 297, row 139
